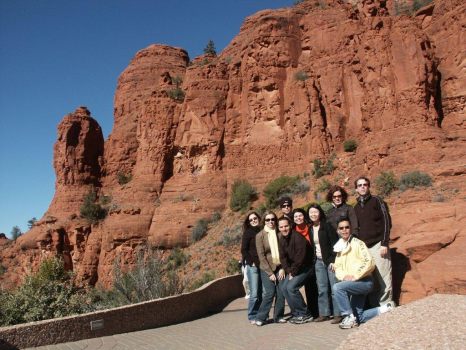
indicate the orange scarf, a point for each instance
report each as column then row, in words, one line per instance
column 304, row 232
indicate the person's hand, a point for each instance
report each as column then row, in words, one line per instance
column 383, row 251
column 291, row 277
column 331, row 267
column 281, row 275
column 272, row 277
column 348, row 278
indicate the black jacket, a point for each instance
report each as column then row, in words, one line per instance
column 248, row 246
column 374, row 221
column 296, row 253
column 343, row 211
column 327, row 239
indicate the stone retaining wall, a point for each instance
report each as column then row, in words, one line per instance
column 210, row 298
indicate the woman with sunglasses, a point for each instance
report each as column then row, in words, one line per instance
column 353, row 268
column 338, row 197
column 324, row 237
column 251, row 227
column 296, row 259
column 302, row 226
column 271, row 272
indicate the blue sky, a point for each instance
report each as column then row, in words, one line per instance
column 56, row 55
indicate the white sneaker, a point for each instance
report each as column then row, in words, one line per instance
column 387, row 307
column 246, row 297
column 348, row 322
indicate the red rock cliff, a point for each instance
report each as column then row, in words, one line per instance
column 291, row 87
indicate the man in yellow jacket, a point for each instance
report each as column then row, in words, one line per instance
column 353, row 268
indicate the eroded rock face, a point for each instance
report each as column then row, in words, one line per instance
column 291, row 87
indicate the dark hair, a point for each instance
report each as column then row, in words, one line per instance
column 362, row 178
column 286, row 218
column 322, row 216
column 246, row 223
column 336, row 188
column 302, row 211
column 343, row 219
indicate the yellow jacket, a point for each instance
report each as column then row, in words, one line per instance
column 354, row 260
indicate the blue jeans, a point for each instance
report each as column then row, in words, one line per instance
column 290, row 289
column 326, row 278
column 271, row 289
column 255, row 291
column 351, row 296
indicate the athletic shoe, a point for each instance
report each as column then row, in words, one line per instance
column 301, row 319
column 281, row 320
column 252, row 321
column 259, row 323
column 349, row 322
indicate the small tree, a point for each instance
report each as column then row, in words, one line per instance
column 210, row 49
column 15, row 233
column 242, row 193
column 32, row 222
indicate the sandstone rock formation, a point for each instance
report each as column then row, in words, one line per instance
column 290, row 88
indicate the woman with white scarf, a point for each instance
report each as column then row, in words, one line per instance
column 272, row 275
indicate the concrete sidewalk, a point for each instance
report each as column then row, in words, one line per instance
column 229, row 329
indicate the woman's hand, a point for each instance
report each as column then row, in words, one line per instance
column 281, row 275
column 272, row 277
column 331, row 267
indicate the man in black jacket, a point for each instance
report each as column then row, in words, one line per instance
column 374, row 230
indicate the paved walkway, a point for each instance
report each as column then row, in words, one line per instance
column 226, row 330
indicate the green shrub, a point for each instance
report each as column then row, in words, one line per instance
column 415, row 179
column 206, row 277
column 386, row 183
column 46, row 294
column 233, row 267
column 350, row 145
column 2, row 269
column 176, row 94
column 301, row 76
column 123, row 178
column 199, row 230
column 90, row 210
column 321, row 169
column 231, row 236
column 277, row 188
column 177, row 258
column 242, row 194
column 216, row 216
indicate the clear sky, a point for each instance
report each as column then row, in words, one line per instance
column 56, row 55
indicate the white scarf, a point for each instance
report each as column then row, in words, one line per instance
column 341, row 245
column 273, row 243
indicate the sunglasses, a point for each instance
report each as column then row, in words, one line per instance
column 253, row 219
column 363, row 185
column 337, row 196
column 343, row 227
column 286, row 206
column 268, row 220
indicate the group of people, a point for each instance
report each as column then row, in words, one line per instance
column 341, row 258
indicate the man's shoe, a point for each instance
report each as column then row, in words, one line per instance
column 301, row 319
column 322, row 318
column 349, row 322
column 281, row 320
column 336, row 319
column 259, row 323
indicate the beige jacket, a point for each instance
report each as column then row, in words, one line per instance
column 264, row 253
column 354, row 260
